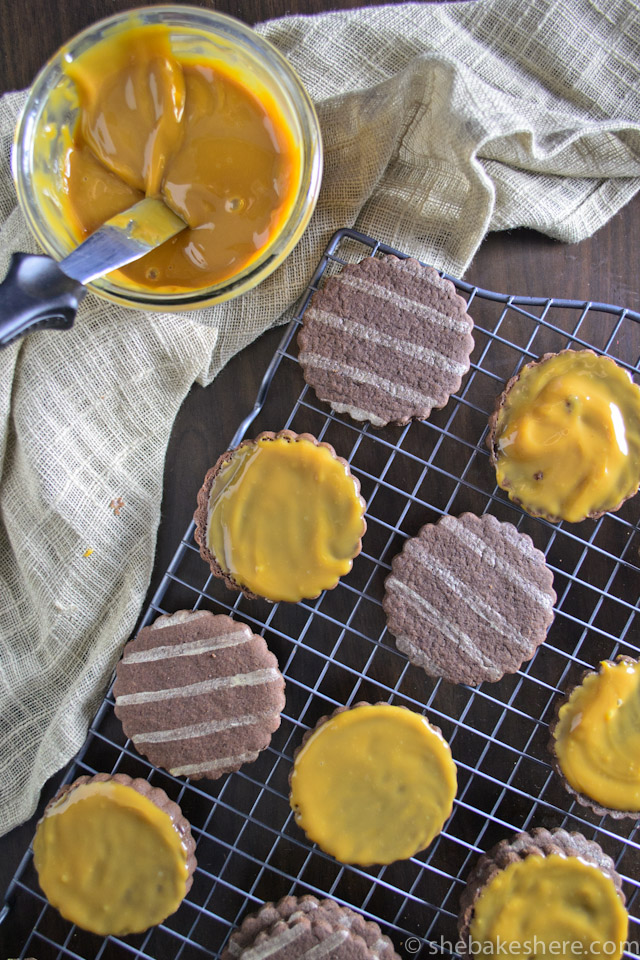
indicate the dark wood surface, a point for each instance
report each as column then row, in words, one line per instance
column 604, row 268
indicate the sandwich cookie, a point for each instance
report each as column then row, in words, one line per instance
column 373, row 783
column 544, row 893
column 564, row 437
column 280, row 517
column 595, row 739
column 113, row 854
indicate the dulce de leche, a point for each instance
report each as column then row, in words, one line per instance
column 152, row 122
column 543, row 900
column 565, row 436
column 596, row 739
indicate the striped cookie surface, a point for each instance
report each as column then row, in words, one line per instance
column 469, row 599
column 298, row 927
column 386, row 340
column 198, row 694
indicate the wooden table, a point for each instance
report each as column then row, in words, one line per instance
column 603, row 268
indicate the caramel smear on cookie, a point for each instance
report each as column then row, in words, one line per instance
column 110, row 860
column 537, row 903
column 373, row 784
column 285, row 518
column 597, row 737
column 567, row 437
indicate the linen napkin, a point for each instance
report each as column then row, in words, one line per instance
column 440, row 122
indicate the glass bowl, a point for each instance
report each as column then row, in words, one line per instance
column 44, row 131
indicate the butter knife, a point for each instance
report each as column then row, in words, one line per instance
column 40, row 293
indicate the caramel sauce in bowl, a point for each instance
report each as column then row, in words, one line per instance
column 182, row 103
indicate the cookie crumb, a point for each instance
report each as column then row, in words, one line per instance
column 116, row 505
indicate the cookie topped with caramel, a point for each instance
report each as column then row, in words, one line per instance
column 544, row 893
column 596, row 739
column 373, row 783
column 565, row 436
column 113, row 854
column 280, row 517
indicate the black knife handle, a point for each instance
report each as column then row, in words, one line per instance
column 36, row 295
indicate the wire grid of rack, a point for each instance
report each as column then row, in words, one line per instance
column 335, row 650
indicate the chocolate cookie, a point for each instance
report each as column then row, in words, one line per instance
column 372, row 783
column 386, row 340
column 113, row 854
column 280, row 517
column 198, row 694
column 564, row 436
column 296, row 925
column 594, row 739
column 469, row 599
column 562, row 851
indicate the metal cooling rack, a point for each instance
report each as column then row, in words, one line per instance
column 335, row 650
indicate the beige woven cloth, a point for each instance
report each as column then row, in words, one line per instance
column 440, row 122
